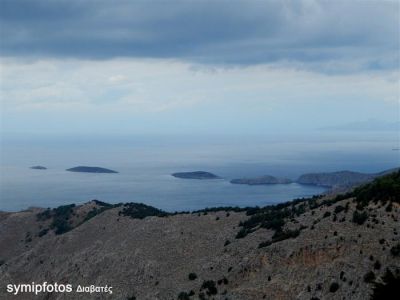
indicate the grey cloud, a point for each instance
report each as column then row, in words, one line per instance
column 356, row 34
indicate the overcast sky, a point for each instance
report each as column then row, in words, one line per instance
column 170, row 66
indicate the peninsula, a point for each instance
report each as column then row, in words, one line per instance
column 341, row 179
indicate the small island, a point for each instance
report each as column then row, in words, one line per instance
column 38, row 168
column 85, row 169
column 262, row 180
column 195, row 175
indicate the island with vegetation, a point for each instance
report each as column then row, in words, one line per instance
column 195, row 175
column 38, row 168
column 262, row 180
column 86, row 169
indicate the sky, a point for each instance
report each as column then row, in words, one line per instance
column 198, row 67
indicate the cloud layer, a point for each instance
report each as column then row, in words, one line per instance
column 328, row 36
column 159, row 95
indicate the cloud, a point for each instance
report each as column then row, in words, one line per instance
column 125, row 95
column 327, row 36
column 157, row 85
column 115, row 79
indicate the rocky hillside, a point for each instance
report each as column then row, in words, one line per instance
column 347, row 247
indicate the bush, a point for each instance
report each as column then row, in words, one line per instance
column 210, row 287
column 96, row 211
column 241, row 234
column 377, row 265
column 360, row 218
column 369, row 277
column 183, row 296
column 280, row 236
column 384, row 189
column 326, row 214
column 334, row 287
column 395, row 250
column 265, row 244
column 44, row 215
column 141, row 211
column 389, row 287
column 60, row 218
column 192, row 276
column 283, row 235
column 339, row 209
column 43, row 232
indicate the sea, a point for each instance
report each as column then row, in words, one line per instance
column 145, row 164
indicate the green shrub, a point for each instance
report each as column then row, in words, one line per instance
column 141, row 211
column 377, row 265
column 339, row 209
column 192, row 276
column 327, row 214
column 44, row 215
column 283, row 235
column 61, row 217
column 360, row 218
column 265, row 244
column 384, row 189
column 183, row 296
column 395, row 250
column 43, row 232
column 210, row 287
column 369, row 277
column 334, row 287
column 386, row 289
column 241, row 234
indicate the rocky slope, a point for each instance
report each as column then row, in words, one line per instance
column 317, row 248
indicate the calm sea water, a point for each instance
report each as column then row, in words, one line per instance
column 145, row 164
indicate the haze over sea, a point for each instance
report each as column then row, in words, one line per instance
column 145, row 163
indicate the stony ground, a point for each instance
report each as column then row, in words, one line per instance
column 152, row 258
